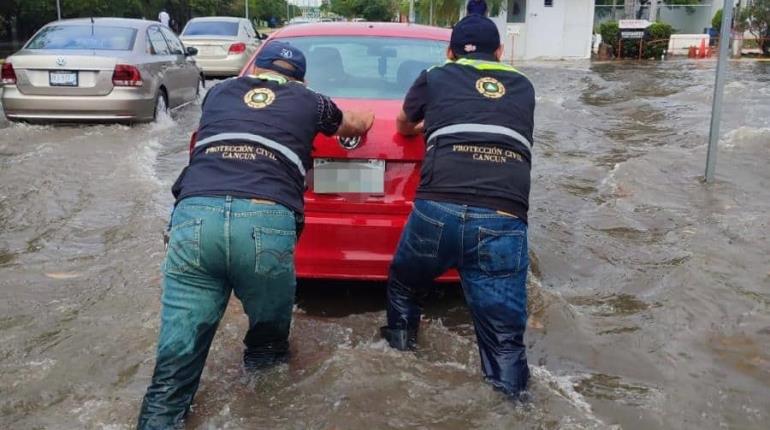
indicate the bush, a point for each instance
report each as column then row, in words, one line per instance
column 716, row 21
column 655, row 42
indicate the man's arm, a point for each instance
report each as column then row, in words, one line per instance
column 355, row 123
column 406, row 127
column 410, row 120
column 331, row 120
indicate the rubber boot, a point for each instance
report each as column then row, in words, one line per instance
column 265, row 355
column 400, row 339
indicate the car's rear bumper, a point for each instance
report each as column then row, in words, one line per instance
column 350, row 247
column 122, row 104
column 229, row 66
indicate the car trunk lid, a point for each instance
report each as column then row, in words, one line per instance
column 51, row 72
column 210, row 47
column 383, row 158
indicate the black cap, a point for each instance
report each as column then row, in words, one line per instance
column 282, row 51
column 475, row 36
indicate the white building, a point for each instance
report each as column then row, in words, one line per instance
column 546, row 29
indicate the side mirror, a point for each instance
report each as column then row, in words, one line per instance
column 262, row 36
column 191, row 52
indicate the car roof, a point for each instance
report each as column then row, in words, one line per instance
column 126, row 22
column 218, row 18
column 381, row 29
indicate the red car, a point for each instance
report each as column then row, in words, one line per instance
column 358, row 200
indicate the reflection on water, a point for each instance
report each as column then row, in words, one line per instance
column 649, row 303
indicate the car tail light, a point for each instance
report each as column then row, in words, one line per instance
column 126, row 76
column 237, row 48
column 8, row 75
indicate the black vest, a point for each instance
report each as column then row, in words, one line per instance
column 254, row 141
column 479, row 122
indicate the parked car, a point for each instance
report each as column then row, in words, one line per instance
column 353, row 226
column 224, row 43
column 99, row 69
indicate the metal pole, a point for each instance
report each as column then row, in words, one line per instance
column 411, row 11
column 246, row 2
column 653, row 10
column 58, row 9
column 431, row 12
column 719, row 89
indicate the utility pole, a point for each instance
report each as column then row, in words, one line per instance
column 58, row 9
column 719, row 89
column 431, row 12
column 411, row 11
column 653, row 10
column 246, row 2
column 629, row 11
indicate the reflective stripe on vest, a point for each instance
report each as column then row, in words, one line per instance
column 283, row 149
column 479, row 128
column 485, row 65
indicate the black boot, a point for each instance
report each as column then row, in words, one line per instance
column 265, row 355
column 400, row 339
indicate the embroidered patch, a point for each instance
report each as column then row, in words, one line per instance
column 259, row 98
column 490, row 88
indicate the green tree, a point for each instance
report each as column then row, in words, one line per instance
column 757, row 19
column 371, row 10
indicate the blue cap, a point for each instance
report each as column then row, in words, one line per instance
column 475, row 36
column 277, row 50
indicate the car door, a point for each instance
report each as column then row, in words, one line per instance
column 187, row 74
column 165, row 65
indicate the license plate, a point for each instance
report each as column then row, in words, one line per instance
column 348, row 176
column 63, row 79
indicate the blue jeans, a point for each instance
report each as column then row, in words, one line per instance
column 218, row 245
column 489, row 249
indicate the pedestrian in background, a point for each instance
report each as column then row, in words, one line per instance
column 470, row 210
column 477, row 7
column 164, row 17
column 239, row 210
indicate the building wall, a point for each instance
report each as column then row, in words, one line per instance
column 559, row 32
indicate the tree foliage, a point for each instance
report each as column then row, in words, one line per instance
column 756, row 18
column 21, row 18
column 371, row 10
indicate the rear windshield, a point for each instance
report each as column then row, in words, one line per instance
column 366, row 67
column 84, row 37
column 211, row 28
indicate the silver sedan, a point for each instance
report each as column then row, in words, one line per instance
column 224, row 44
column 99, row 69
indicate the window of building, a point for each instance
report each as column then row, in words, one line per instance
column 548, row 3
column 517, row 11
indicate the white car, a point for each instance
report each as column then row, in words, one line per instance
column 224, row 43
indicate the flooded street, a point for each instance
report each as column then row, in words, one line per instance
column 649, row 291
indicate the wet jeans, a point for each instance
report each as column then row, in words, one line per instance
column 219, row 244
column 489, row 249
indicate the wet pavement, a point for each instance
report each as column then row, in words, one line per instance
column 650, row 291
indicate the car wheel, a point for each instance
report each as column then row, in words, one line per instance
column 161, row 104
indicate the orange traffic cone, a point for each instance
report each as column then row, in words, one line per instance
column 702, row 52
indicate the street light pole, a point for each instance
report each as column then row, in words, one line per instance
column 411, row 11
column 719, row 89
column 246, row 2
column 58, row 9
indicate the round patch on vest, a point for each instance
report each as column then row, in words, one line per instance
column 259, row 98
column 490, row 87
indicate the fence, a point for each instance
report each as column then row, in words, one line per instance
column 684, row 19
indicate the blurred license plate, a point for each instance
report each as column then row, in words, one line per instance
column 348, row 176
column 63, row 79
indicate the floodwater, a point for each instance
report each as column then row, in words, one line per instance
column 649, row 292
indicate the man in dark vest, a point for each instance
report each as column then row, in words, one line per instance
column 239, row 206
column 478, row 7
column 470, row 211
